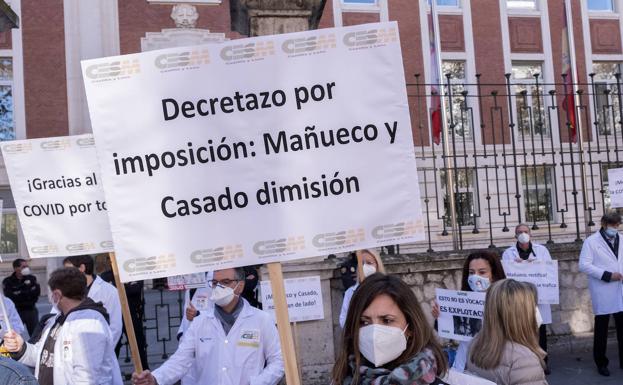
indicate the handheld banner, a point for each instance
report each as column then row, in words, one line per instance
column 254, row 151
column 543, row 274
column 460, row 313
column 186, row 281
column 615, row 187
column 58, row 194
column 303, row 295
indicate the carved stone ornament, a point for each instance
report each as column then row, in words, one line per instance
column 184, row 15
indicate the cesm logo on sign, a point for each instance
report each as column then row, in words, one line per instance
column 247, row 51
column 216, row 254
column 113, row 70
column 370, row 37
column 279, row 246
column 308, row 44
column 147, row 264
column 180, row 60
column 338, row 239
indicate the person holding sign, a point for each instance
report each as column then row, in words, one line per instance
column 235, row 344
column 506, row 350
column 480, row 270
column 387, row 339
column 99, row 291
column 370, row 263
column 77, row 347
column 601, row 259
column 527, row 251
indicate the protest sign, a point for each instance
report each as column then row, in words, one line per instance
column 244, row 152
column 303, row 295
column 186, row 281
column 615, row 187
column 543, row 274
column 460, row 313
column 58, row 194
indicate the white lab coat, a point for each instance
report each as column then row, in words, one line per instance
column 200, row 297
column 84, row 352
column 542, row 254
column 14, row 318
column 460, row 360
column 249, row 355
column 348, row 295
column 104, row 292
column 595, row 258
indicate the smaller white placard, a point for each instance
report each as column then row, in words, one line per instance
column 186, row 281
column 304, row 297
column 460, row 313
column 615, row 187
column 543, row 274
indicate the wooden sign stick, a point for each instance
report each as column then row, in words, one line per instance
column 127, row 318
column 283, row 324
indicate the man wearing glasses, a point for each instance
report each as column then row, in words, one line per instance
column 236, row 344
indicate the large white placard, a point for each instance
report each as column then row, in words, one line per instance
column 543, row 274
column 258, row 150
column 615, row 187
column 58, row 194
column 460, row 313
column 303, row 295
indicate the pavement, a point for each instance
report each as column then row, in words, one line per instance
column 571, row 368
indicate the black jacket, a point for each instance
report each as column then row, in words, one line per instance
column 23, row 292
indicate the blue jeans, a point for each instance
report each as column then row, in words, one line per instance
column 14, row 373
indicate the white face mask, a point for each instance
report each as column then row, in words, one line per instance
column 478, row 283
column 539, row 318
column 381, row 344
column 222, row 295
column 523, row 238
column 26, row 271
column 54, row 304
column 368, row 270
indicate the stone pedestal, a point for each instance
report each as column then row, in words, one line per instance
column 270, row 17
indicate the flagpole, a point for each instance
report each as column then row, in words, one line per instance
column 576, row 99
column 444, row 127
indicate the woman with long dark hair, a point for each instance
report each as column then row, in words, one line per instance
column 387, row 339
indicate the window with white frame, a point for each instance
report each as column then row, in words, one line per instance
column 606, row 97
column 9, row 230
column 521, row 4
column 465, row 203
column 457, row 113
column 538, row 198
column 601, row 5
column 530, row 109
column 446, row 3
column 7, row 119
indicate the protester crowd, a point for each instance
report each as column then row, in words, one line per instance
column 225, row 337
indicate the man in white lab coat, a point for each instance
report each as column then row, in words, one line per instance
column 236, row 344
column 527, row 251
column 99, row 291
column 602, row 260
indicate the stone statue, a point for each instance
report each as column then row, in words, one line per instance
column 184, row 15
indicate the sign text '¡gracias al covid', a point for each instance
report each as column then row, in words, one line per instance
column 172, row 109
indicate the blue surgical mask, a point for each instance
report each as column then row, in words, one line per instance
column 611, row 232
column 478, row 283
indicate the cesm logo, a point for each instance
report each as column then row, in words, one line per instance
column 180, row 60
column 85, row 142
column 217, row 254
column 17, row 148
column 279, row 246
column 243, row 52
column 80, row 246
column 396, row 230
column 371, row 37
column 117, row 69
column 56, row 144
column 106, row 245
column 307, row 45
column 49, row 249
column 149, row 264
column 339, row 239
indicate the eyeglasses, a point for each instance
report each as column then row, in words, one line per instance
column 225, row 282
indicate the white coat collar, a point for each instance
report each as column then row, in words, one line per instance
column 247, row 310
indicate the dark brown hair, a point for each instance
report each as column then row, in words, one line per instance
column 77, row 260
column 497, row 271
column 70, row 281
column 421, row 334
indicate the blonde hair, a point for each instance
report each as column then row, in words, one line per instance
column 379, row 263
column 510, row 316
